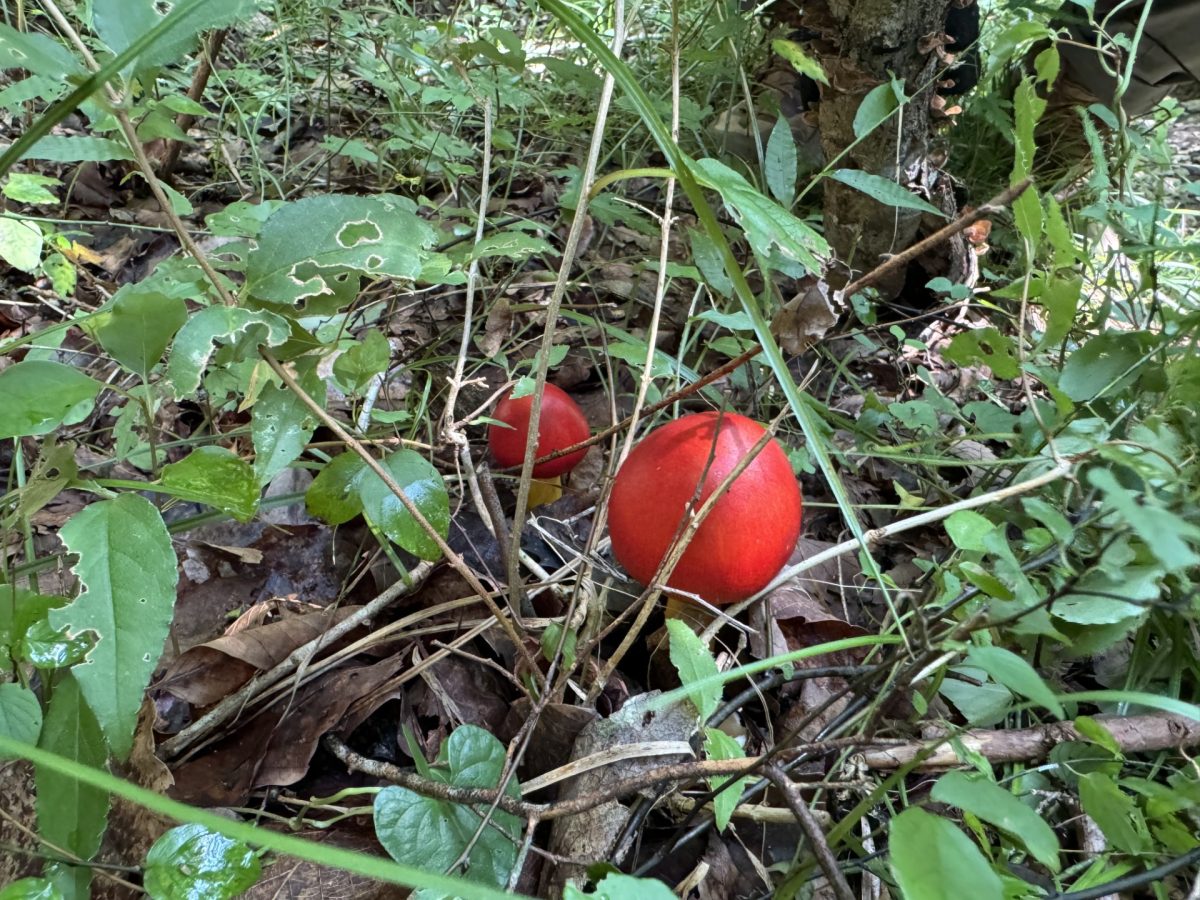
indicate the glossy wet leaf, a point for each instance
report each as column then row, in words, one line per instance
column 216, row 477
column 333, row 495
column 423, row 485
column 192, row 863
column 281, row 425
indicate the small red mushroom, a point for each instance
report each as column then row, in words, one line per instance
column 747, row 536
column 560, row 425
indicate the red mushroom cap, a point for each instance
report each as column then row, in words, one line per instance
column 560, row 425
column 750, row 532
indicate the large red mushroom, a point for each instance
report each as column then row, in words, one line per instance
column 747, row 536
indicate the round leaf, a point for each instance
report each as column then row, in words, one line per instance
column 192, row 863
column 423, row 485
column 40, row 395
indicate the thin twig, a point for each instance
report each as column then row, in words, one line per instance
column 812, row 831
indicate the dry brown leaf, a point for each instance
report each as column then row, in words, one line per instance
column 205, row 674
column 804, row 319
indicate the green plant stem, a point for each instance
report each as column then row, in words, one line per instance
column 322, row 854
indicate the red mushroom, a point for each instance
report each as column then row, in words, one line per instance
column 747, row 536
column 560, row 425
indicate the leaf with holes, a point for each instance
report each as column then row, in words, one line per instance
column 308, row 248
column 281, row 424
column 195, row 342
column 128, row 571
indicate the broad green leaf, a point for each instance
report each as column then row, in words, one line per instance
column 432, row 834
column 139, row 327
column 70, row 814
column 616, row 886
column 719, row 745
column 1016, row 674
column 801, row 61
column 20, row 243
column 367, row 358
column 511, row 245
column 40, row 395
column 1060, row 297
column 694, row 661
column 1166, row 535
column 20, row 713
column 884, row 190
column 26, row 187
column 121, row 22
column 215, row 477
column 128, row 571
column 423, row 485
column 83, row 148
column 1109, row 595
column 44, row 647
column 31, row 889
column 779, row 164
column 968, row 529
column 981, row 704
column 768, row 225
column 988, row 346
column 550, row 641
column 310, row 247
column 1100, row 363
column 934, row 860
column 36, row 53
column 988, row 801
column 333, row 495
column 1115, row 812
column 194, row 344
column 881, row 101
column 281, row 425
column 189, row 862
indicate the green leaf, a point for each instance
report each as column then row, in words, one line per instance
column 719, row 745
column 36, row 53
column 70, row 814
column 423, row 485
column 26, row 187
column 1016, row 674
column 968, row 529
column 512, row 244
column 1101, row 362
column 363, row 361
column 708, row 261
column 616, row 886
column 987, row 346
column 20, row 713
column 801, row 61
column 315, row 246
column 31, row 889
column 194, row 342
column 281, row 425
column 20, row 243
column 981, row 704
column 1163, row 532
column 986, row 800
column 884, row 190
column 550, row 640
column 768, row 225
column 881, row 101
column 779, row 164
column 216, row 477
column 40, row 395
column 189, row 862
column 1060, row 297
column 138, row 328
column 333, row 495
column 121, row 22
column 1110, row 595
column 933, row 860
column 694, row 661
column 432, row 834
column 128, row 570
column 85, row 148
column 1115, row 812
